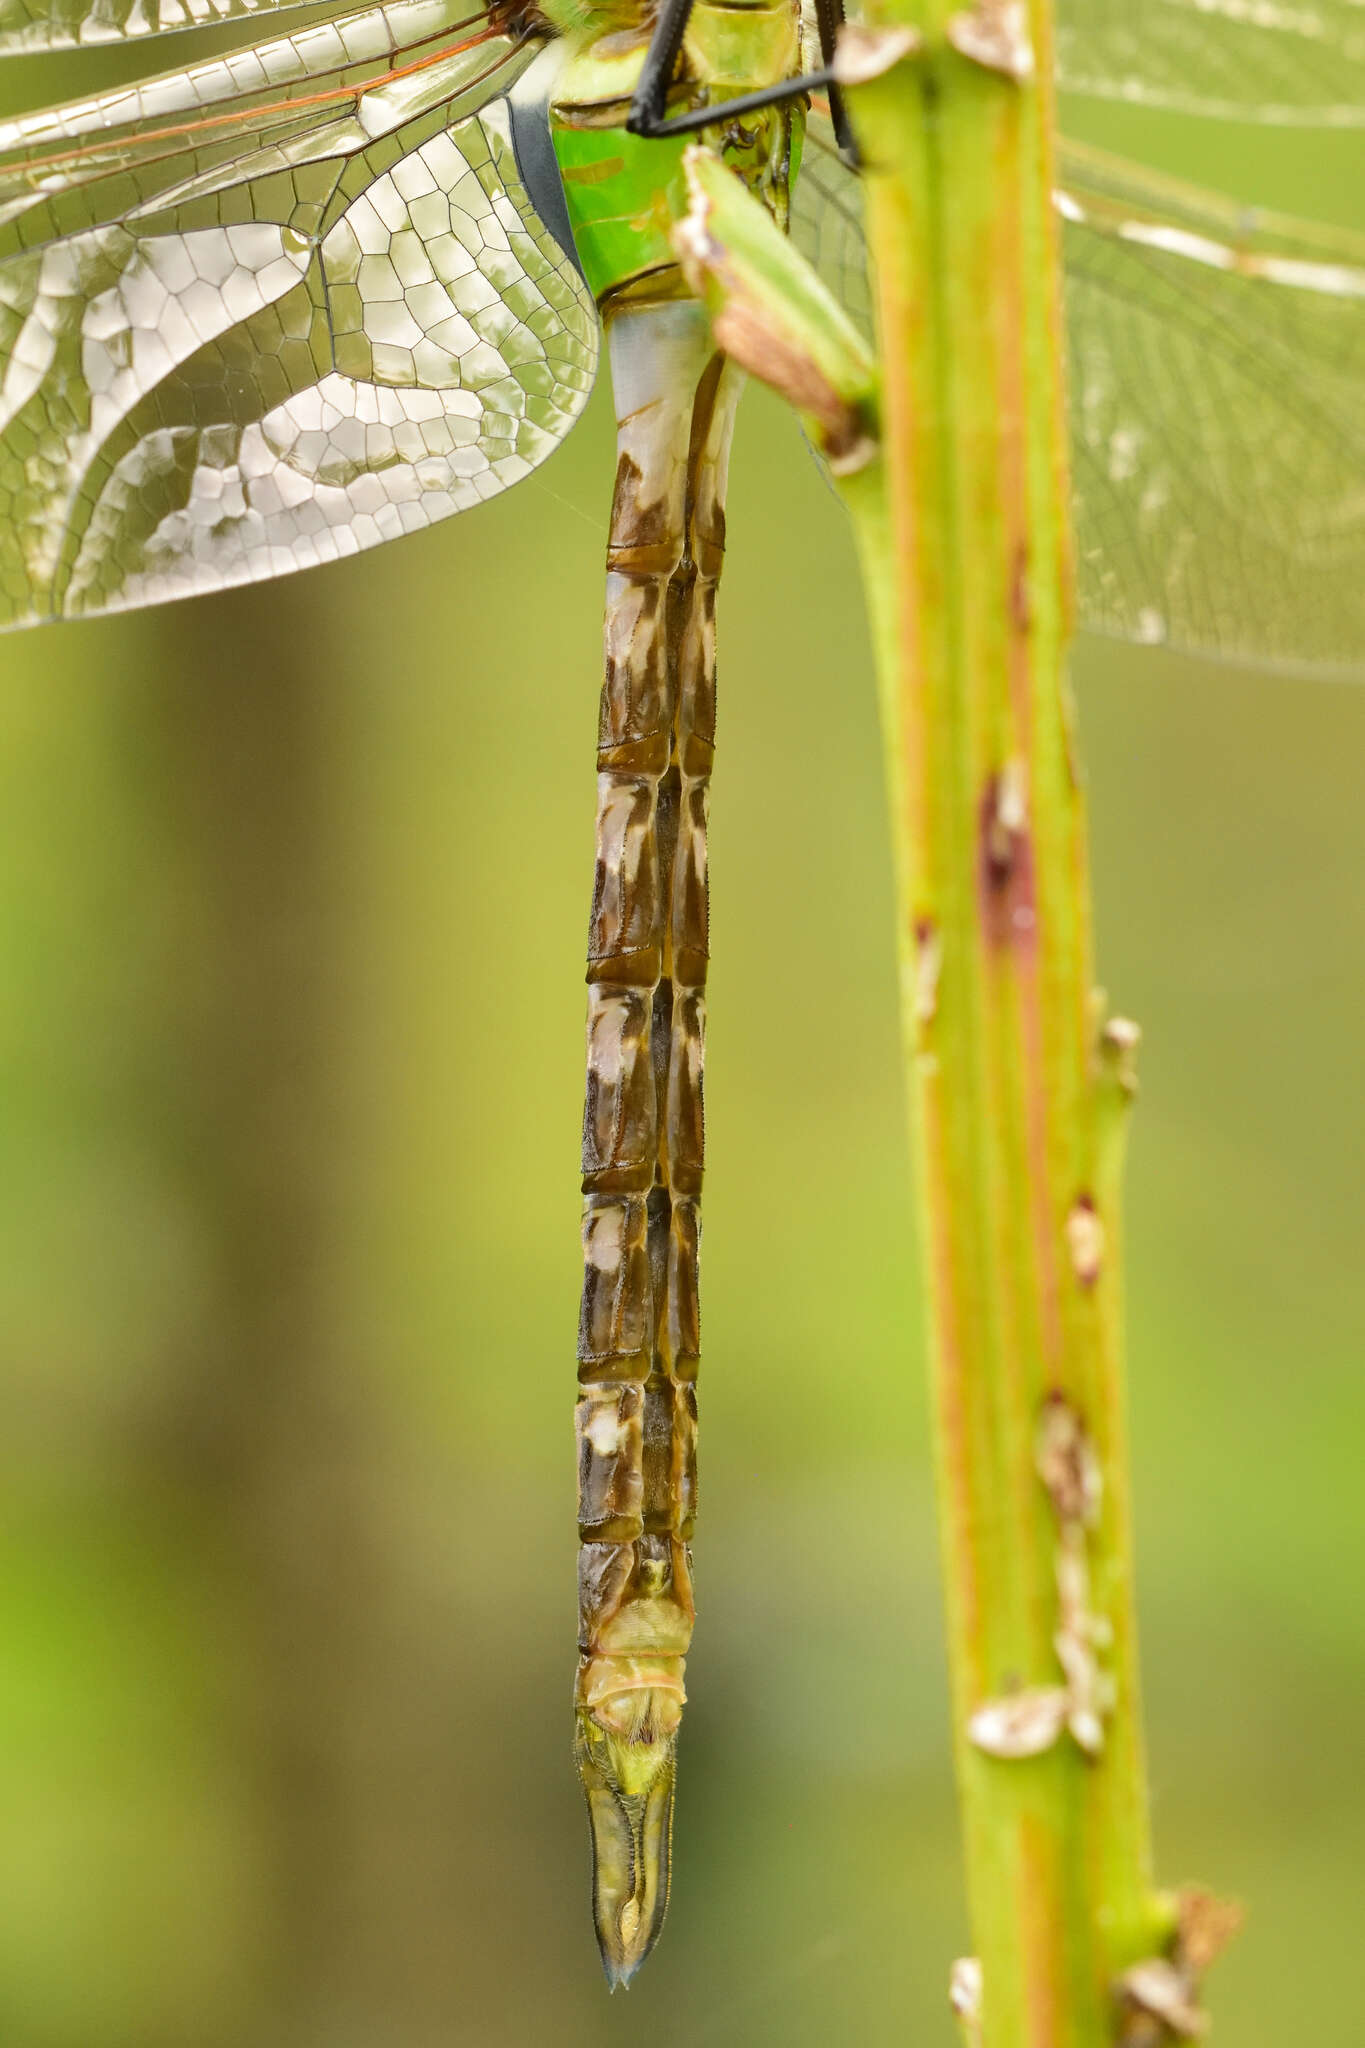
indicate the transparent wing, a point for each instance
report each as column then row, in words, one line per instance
column 1246, row 60
column 343, row 81
column 265, row 313
column 70, row 24
column 1217, row 398
column 827, row 216
column 1217, row 401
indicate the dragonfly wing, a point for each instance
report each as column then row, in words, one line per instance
column 380, row 64
column 1216, row 376
column 70, row 24
column 1217, row 366
column 827, row 217
column 1266, row 63
column 231, row 352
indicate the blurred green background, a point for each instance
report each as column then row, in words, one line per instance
column 293, row 888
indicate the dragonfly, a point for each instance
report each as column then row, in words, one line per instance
column 327, row 285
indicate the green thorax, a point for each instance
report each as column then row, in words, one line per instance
column 625, row 193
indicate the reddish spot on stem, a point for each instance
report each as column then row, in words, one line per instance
column 1005, row 869
column 1021, row 607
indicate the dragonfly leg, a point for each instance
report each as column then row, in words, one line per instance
column 650, row 97
column 642, row 1149
column 829, row 19
column 648, row 114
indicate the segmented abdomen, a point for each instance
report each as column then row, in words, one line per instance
column 639, row 1330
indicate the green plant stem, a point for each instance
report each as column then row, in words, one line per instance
column 1018, row 1097
column 950, row 455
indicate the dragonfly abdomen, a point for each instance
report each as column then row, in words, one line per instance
column 643, row 1124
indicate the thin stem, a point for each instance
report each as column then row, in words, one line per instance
column 950, row 455
column 968, row 580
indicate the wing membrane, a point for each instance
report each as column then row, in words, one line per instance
column 233, row 350
column 1278, row 61
column 72, row 24
column 380, row 65
column 1215, row 387
column 1217, row 368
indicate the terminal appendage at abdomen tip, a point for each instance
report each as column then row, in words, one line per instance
column 627, row 1752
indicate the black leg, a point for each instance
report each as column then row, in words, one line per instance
column 646, row 116
column 725, row 110
column 829, row 19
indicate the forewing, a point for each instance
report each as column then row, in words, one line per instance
column 71, row 24
column 1216, row 389
column 1245, row 60
column 232, row 350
